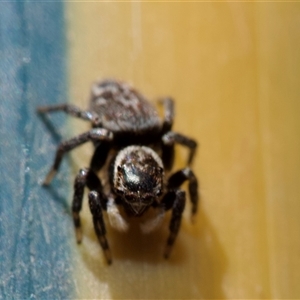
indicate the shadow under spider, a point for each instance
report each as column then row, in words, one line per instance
column 201, row 277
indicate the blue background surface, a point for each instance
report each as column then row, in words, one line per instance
column 35, row 226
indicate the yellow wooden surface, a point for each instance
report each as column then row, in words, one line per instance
column 234, row 71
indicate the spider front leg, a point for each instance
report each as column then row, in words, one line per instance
column 178, row 178
column 94, row 135
column 99, row 226
column 177, row 201
column 85, row 177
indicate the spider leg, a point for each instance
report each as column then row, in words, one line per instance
column 167, row 150
column 85, row 177
column 96, row 134
column 178, row 178
column 171, row 138
column 168, row 154
column 68, row 109
column 177, row 201
column 100, row 155
column 96, row 210
column 168, row 105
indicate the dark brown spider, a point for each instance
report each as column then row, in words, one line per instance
column 135, row 148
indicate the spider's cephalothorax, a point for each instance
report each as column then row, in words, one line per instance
column 138, row 178
column 126, row 127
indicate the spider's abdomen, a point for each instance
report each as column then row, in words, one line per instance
column 122, row 109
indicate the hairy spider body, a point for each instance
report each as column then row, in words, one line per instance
column 127, row 129
column 124, row 111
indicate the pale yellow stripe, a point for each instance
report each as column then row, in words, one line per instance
column 233, row 69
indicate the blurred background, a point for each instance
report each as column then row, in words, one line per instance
column 233, row 70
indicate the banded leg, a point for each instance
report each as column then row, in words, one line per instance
column 177, row 210
column 94, row 135
column 99, row 226
column 172, row 138
column 85, row 177
column 178, row 178
column 68, row 109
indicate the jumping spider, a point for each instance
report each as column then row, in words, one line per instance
column 135, row 148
